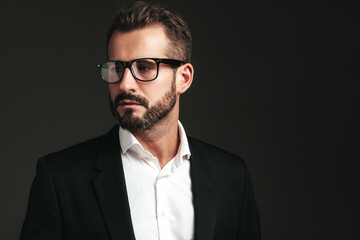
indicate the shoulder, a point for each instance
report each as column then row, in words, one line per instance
column 84, row 148
column 71, row 162
column 79, row 155
column 226, row 168
column 213, row 154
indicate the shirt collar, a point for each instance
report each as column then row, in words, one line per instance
column 129, row 142
column 184, row 150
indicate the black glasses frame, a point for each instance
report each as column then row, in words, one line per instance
column 171, row 62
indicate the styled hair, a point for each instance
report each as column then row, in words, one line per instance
column 137, row 15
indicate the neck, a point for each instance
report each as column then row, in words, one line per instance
column 162, row 140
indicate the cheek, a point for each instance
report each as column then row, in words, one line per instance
column 114, row 91
column 154, row 94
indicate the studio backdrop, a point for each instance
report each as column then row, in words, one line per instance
column 274, row 83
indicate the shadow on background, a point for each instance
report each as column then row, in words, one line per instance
column 273, row 83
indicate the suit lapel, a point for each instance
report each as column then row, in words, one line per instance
column 204, row 193
column 110, row 188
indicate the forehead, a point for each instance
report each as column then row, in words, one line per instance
column 145, row 42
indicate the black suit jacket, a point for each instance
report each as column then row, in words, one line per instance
column 80, row 193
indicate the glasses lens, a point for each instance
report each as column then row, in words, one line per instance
column 112, row 71
column 144, row 69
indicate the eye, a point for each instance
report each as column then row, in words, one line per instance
column 118, row 68
column 143, row 66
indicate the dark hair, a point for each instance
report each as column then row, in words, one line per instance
column 140, row 14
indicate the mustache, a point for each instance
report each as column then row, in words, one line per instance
column 129, row 96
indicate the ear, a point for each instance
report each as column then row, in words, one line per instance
column 184, row 78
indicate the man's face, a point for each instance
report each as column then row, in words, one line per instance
column 139, row 105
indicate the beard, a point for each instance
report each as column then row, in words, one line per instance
column 152, row 115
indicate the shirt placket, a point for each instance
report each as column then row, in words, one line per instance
column 162, row 205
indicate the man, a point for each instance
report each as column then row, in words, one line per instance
column 145, row 179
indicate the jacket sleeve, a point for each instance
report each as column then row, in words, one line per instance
column 43, row 218
column 250, row 221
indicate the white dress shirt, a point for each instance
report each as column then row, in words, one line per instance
column 161, row 200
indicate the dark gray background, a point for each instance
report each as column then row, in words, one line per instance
column 274, row 83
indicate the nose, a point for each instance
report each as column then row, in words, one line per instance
column 128, row 83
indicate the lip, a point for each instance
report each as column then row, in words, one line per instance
column 128, row 102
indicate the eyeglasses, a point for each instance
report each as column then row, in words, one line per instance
column 143, row 69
